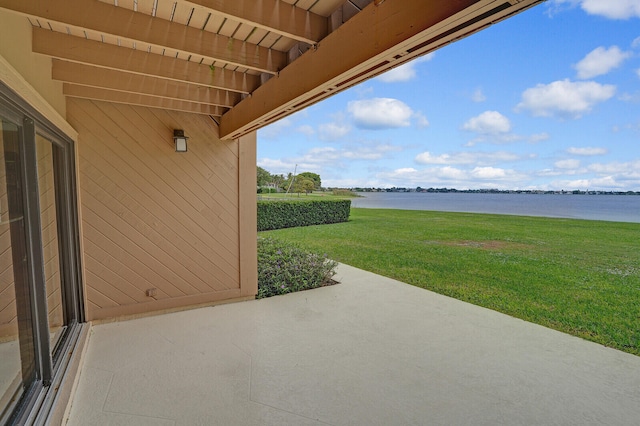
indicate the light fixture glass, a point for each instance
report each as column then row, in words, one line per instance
column 180, row 140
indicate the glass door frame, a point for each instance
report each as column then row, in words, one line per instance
column 50, row 366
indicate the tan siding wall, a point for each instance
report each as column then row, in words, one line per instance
column 248, row 216
column 153, row 218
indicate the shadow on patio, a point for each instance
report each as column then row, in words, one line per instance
column 369, row 351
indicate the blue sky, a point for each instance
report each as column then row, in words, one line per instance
column 548, row 99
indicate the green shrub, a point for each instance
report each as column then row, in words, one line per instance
column 284, row 268
column 344, row 193
column 267, row 190
column 290, row 213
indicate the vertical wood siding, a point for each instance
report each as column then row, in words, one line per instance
column 153, row 218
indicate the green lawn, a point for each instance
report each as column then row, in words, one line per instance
column 581, row 277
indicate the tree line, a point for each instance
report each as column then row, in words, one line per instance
column 302, row 182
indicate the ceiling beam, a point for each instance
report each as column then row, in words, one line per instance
column 76, row 49
column 373, row 41
column 142, row 28
column 272, row 15
column 87, row 75
column 93, row 93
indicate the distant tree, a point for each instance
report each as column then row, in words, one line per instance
column 317, row 183
column 277, row 180
column 308, row 185
column 264, row 177
column 302, row 184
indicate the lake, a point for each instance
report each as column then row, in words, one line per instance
column 614, row 208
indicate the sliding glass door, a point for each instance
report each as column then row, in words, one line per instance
column 40, row 289
column 17, row 369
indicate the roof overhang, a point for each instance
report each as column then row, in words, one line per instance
column 244, row 63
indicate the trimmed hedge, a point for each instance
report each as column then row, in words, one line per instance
column 292, row 213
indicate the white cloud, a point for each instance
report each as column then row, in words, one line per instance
column 478, row 95
column 362, row 91
column 488, row 123
column 333, row 131
column 612, row 9
column 272, row 164
column 324, row 158
column 320, row 155
column 331, row 155
column 306, row 129
column 567, row 164
column 539, row 137
column 631, row 97
column 635, row 43
column 279, row 166
column 488, row 173
column 380, row 113
column 586, row 151
column 549, row 172
column 630, row 169
column 428, row 158
column 493, row 127
column 448, row 173
column 556, row 6
column 341, row 182
column 404, row 72
column 598, row 176
column 405, row 170
column 274, row 130
column 377, row 152
column 487, row 177
column 480, row 158
column 600, row 61
column 606, row 183
column 421, row 120
column 565, row 98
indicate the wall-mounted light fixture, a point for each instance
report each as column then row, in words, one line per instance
column 180, row 140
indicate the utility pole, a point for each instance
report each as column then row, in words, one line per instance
column 293, row 179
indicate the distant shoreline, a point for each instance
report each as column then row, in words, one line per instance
column 493, row 191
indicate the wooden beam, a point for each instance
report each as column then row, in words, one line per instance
column 93, row 93
column 76, row 49
column 368, row 44
column 272, row 15
column 124, row 23
column 87, row 75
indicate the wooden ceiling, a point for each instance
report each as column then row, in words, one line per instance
column 245, row 63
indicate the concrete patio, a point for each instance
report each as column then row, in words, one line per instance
column 369, row 351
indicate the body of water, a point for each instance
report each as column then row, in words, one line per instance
column 615, row 208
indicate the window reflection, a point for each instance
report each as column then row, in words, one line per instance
column 50, row 247
column 10, row 361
